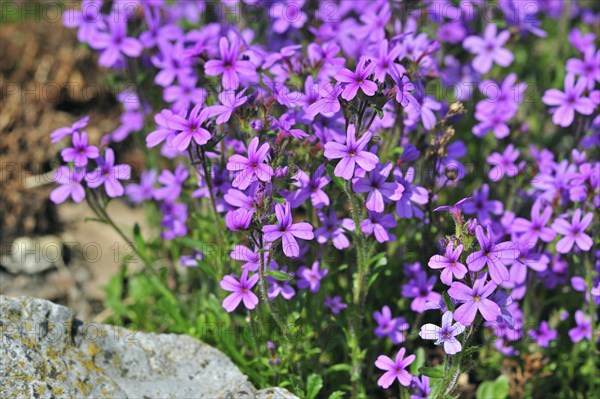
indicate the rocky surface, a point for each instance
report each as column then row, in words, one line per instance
column 45, row 352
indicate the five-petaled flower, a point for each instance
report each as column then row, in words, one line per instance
column 255, row 166
column 450, row 263
column 474, row 299
column 351, row 154
column 241, row 290
column 446, row 334
column 287, row 231
column 573, row 232
column 395, row 369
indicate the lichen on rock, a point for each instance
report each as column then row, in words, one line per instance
column 47, row 353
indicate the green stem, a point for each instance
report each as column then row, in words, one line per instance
column 213, row 202
column 101, row 213
column 358, row 297
column 592, row 307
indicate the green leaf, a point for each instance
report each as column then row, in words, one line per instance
column 337, row 395
column 497, row 389
column 279, row 275
column 338, row 181
column 419, row 361
column 139, row 240
column 341, row 367
column 432, row 372
column 279, row 199
column 379, row 261
column 314, row 383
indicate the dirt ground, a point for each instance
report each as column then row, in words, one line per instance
column 49, row 81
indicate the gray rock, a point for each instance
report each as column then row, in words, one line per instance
column 45, row 352
column 33, row 255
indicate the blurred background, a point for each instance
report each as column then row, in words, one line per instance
column 49, row 80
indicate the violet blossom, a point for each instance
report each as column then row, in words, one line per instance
column 351, row 154
column 474, row 299
column 574, row 232
column 450, row 263
column 253, row 167
column 394, row 369
column 311, row 278
column 241, row 290
column 287, row 231
column 446, row 334
column 489, row 49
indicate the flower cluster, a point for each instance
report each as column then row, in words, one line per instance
column 316, row 147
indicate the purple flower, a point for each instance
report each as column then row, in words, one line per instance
column 229, row 102
column 287, row 231
column 446, row 334
column 503, row 164
column 189, row 128
column 496, row 121
column 378, row 224
column 159, row 31
column 164, row 131
column 505, row 97
column 413, row 195
column 421, row 289
column 245, row 254
column 489, row 49
column 480, row 204
column 588, row 68
column 185, row 94
column 386, row 57
column 378, row 188
column 335, row 304
column 533, row 230
column 332, row 230
column 351, row 153
column 358, row 79
column 455, row 210
column 388, row 326
column 241, row 291
column 543, row 335
column 404, row 95
column 474, row 299
column 311, row 187
column 573, row 232
column 172, row 62
column 191, row 260
column 145, row 190
column 109, row 174
column 115, row 43
column 328, row 103
column 70, row 185
column 422, row 386
column 394, row 369
column 88, row 20
column 285, row 123
column 311, row 278
column 450, row 263
column 279, row 287
column 174, row 219
column 493, row 255
column 287, row 14
column 255, row 166
column 583, row 328
column 238, row 219
column 63, row 132
column 172, row 183
column 569, row 101
column 229, row 65
column 81, row 151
